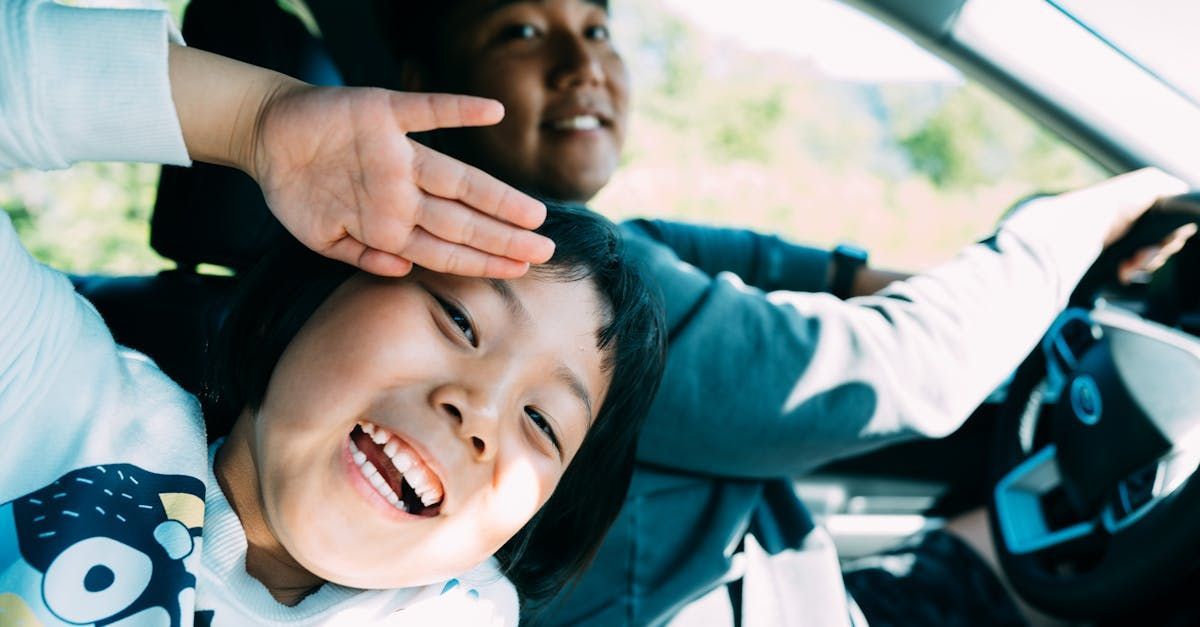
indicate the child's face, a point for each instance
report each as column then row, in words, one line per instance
column 564, row 87
column 488, row 387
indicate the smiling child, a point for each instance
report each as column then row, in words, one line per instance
column 430, row 418
column 414, row 449
column 388, row 437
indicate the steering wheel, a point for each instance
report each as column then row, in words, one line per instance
column 1093, row 510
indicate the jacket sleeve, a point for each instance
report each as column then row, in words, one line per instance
column 93, row 85
column 763, row 384
column 767, row 262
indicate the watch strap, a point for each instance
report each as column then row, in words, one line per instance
column 847, row 261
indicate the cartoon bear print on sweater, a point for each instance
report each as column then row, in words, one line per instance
column 102, row 545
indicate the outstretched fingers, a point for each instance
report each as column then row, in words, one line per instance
column 352, row 251
column 449, row 178
column 439, row 255
column 457, row 223
column 383, row 264
column 427, row 112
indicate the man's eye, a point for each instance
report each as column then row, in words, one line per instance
column 460, row 320
column 541, row 423
column 597, row 33
column 520, row 31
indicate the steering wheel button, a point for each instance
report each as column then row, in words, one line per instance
column 1085, row 399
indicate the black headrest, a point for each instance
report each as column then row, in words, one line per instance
column 216, row 215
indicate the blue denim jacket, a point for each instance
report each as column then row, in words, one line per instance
column 766, row 380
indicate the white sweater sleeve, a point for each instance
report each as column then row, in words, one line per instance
column 768, row 385
column 40, row 318
column 85, row 84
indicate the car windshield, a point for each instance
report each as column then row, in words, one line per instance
column 1156, row 34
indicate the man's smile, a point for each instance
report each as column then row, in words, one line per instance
column 575, row 123
column 577, row 115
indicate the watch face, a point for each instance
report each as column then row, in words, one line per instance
column 851, row 251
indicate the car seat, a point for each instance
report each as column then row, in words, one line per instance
column 206, row 214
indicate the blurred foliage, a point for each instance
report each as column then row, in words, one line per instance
column 971, row 140
column 93, row 217
column 720, row 135
column 912, row 171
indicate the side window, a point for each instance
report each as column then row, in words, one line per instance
column 90, row 218
column 814, row 121
column 93, row 217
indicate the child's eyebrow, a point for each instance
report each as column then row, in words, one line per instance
column 515, row 306
column 572, row 381
column 563, row 373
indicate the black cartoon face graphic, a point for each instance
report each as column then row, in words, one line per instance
column 110, row 542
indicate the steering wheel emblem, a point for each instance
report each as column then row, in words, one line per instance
column 1085, row 400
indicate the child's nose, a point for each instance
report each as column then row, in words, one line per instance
column 476, row 420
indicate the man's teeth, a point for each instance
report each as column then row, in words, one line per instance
column 417, row 475
column 577, row 123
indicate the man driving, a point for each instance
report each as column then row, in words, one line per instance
column 767, row 378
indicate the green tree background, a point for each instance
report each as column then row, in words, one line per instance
column 719, row 135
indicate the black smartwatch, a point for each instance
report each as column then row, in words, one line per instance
column 847, row 261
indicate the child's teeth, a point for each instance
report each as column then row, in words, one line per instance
column 402, row 460
column 416, row 475
column 431, row 497
column 417, row 480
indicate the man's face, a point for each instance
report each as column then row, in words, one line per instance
column 564, row 88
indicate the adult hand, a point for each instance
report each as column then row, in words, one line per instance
column 339, row 171
column 1131, row 194
column 1135, row 192
column 1117, row 203
column 1148, row 260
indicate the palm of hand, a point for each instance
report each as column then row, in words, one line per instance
column 339, row 172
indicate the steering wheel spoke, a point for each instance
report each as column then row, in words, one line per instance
column 1137, row 494
column 1029, row 508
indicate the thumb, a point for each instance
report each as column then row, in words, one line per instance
column 426, row 112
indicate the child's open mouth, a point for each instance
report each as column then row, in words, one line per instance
column 395, row 470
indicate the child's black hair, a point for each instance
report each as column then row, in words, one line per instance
column 278, row 296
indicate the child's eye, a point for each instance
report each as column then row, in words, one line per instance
column 520, row 32
column 541, row 423
column 460, row 320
